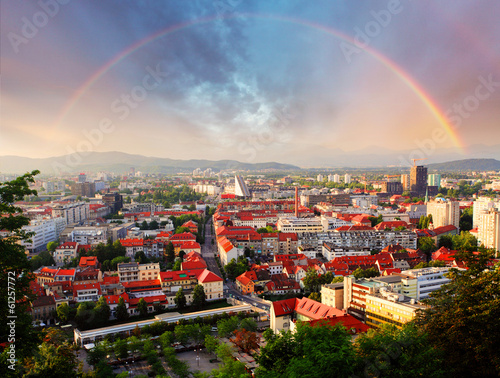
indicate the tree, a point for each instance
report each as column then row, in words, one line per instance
column 466, row 219
column 42, row 259
column 177, row 265
column 427, row 245
column 180, row 299
column 366, row 273
column 465, row 242
column 16, row 278
column 120, row 348
column 248, row 324
column 211, row 343
column 103, row 311
column 153, row 225
column 121, row 310
column 234, row 269
column 166, row 339
column 140, row 257
column 142, row 307
column 225, row 327
column 170, row 252
column 53, row 358
column 198, row 296
column 445, row 241
column 244, row 340
column 230, row 367
column 390, row 352
column 182, row 333
column 315, row 296
column 462, row 319
column 63, row 312
column 180, row 230
column 96, row 354
column 51, row 246
column 337, row 279
column 296, row 355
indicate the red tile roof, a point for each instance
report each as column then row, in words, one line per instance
column 208, row 276
column 353, row 325
column 316, row 310
column 284, row 307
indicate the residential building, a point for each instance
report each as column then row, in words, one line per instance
column 341, row 199
column 488, row 231
column 444, row 213
column 483, row 203
column 333, row 295
column 89, row 235
column 387, row 307
column 128, row 271
column 149, row 271
column 43, row 309
column 227, row 250
column 358, row 239
column 418, row 180
column 434, row 180
column 212, row 285
column 347, row 178
column 44, row 231
column 74, row 212
column 65, row 253
column 87, row 292
column 245, row 284
column 405, row 181
column 419, row 283
column 114, row 201
column 299, row 225
column 356, row 291
column 83, row 189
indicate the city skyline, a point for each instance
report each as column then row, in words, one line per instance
column 287, row 82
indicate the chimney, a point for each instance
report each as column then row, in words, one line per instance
column 296, row 202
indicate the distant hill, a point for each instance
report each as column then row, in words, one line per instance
column 467, row 165
column 120, row 162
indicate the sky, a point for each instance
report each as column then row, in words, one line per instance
column 288, row 81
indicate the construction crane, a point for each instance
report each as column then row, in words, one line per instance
column 414, row 160
column 391, row 176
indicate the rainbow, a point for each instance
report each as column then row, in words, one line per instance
column 389, row 64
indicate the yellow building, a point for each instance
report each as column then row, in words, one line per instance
column 387, row 307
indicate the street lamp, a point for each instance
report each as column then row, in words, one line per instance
column 198, row 357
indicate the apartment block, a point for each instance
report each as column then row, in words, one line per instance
column 444, row 213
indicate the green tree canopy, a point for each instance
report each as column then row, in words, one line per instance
column 180, row 299
column 63, row 312
column 142, row 307
column 462, row 319
column 390, row 352
column 198, row 297
column 296, row 355
column 51, row 246
column 121, row 310
column 16, row 270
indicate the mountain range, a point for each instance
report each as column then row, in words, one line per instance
column 120, row 162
